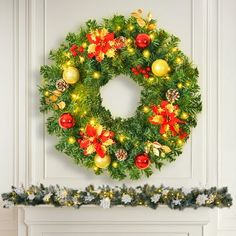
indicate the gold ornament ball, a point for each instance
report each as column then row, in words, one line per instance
column 146, row 53
column 71, row 140
column 71, row 75
column 114, row 164
column 160, row 67
column 102, row 162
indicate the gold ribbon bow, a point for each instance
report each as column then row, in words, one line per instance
column 138, row 15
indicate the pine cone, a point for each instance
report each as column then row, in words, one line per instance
column 61, row 85
column 121, row 155
column 172, row 95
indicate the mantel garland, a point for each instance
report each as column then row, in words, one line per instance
column 87, row 132
column 106, row 197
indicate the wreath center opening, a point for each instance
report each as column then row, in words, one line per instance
column 121, row 96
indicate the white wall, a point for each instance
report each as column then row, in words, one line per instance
column 30, row 28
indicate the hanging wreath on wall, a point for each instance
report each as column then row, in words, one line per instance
column 87, row 131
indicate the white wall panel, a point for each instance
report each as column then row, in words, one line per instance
column 30, row 28
column 8, row 99
column 227, row 111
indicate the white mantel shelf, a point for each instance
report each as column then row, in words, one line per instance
column 122, row 221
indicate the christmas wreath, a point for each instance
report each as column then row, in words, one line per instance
column 87, row 131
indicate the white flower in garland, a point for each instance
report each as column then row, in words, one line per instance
column 201, row 199
column 126, row 198
column 75, row 200
column 165, row 191
column 31, row 197
column 186, row 191
column 155, row 198
column 105, row 203
column 62, row 194
column 47, row 197
column 139, row 190
column 89, row 197
column 176, row 202
column 19, row 191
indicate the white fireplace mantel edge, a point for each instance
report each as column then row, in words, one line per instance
column 94, row 220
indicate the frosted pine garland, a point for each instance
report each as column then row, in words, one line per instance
column 106, row 197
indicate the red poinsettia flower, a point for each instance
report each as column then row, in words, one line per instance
column 95, row 139
column 165, row 115
column 102, row 43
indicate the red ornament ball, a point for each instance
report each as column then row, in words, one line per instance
column 142, row 161
column 142, row 40
column 66, row 121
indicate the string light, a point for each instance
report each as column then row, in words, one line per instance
column 130, row 27
column 122, row 138
column 129, row 41
column 71, row 140
column 175, row 49
column 187, row 83
column 146, row 109
column 178, row 60
column 184, row 115
column 67, row 54
column 46, row 93
column 151, row 80
column 96, row 74
column 84, row 45
column 114, row 164
column 180, row 142
column 180, row 85
column 76, row 110
column 74, row 96
column 131, row 50
column 92, row 121
column 81, row 60
column 118, row 28
column 152, row 36
column 146, row 53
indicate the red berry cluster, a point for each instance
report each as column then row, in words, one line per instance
column 141, row 70
column 75, row 50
